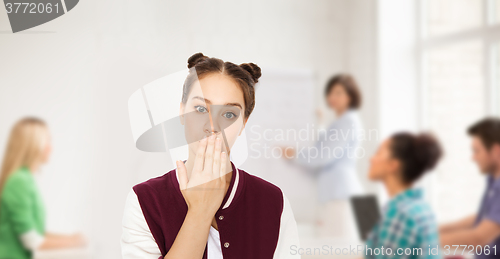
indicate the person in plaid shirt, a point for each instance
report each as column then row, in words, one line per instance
column 407, row 228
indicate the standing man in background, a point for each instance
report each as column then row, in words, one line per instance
column 482, row 229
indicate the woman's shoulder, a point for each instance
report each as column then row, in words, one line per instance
column 259, row 184
column 352, row 116
column 416, row 211
column 419, row 209
column 18, row 179
column 18, row 184
column 156, row 183
column 349, row 119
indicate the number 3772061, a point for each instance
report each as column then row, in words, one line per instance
column 470, row 250
column 32, row 7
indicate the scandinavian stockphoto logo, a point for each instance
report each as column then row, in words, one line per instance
column 26, row 14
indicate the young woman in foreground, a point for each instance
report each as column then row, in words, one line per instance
column 407, row 220
column 207, row 208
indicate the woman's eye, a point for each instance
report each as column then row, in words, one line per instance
column 229, row 115
column 200, row 109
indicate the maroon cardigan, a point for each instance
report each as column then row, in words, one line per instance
column 249, row 227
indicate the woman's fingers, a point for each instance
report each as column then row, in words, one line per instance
column 200, row 155
column 209, row 155
column 223, row 163
column 182, row 172
column 216, row 164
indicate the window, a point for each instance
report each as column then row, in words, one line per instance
column 459, row 50
column 451, row 16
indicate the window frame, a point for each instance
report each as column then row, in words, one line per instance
column 489, row 34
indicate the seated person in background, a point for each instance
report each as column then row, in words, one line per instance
column 484, row 228
column 22, row 216
column 407, row 221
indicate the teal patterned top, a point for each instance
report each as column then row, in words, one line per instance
column 407, row 229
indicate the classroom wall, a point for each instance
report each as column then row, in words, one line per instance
column 78, row 71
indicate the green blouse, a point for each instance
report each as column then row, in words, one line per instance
column 21, row 211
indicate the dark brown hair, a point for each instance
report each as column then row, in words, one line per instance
column 417, row 154
column 246, row 75
column 349, row 85
column 488, row 130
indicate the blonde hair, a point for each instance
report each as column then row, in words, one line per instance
column 27, row 140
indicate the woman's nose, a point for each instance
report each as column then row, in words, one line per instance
column 210, row 131
column 212, row 127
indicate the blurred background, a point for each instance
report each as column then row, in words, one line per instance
column 431, row 64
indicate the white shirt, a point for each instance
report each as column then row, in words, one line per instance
column 335, row 169
column 138, row 242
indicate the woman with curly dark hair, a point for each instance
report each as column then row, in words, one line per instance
column 407, row 228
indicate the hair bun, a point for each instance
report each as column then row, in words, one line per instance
column 427, row 150
column 253, row 69
column 195, row 59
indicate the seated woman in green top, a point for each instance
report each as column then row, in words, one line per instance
column 22, row 216
column 407, row 228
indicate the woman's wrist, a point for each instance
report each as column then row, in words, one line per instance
column 200, row 215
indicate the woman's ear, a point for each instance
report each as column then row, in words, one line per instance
column 181, row 112
column 393, row 166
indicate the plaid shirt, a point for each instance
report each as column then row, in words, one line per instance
column 408, row 226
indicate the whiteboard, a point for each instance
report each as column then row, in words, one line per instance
column 284, row 101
